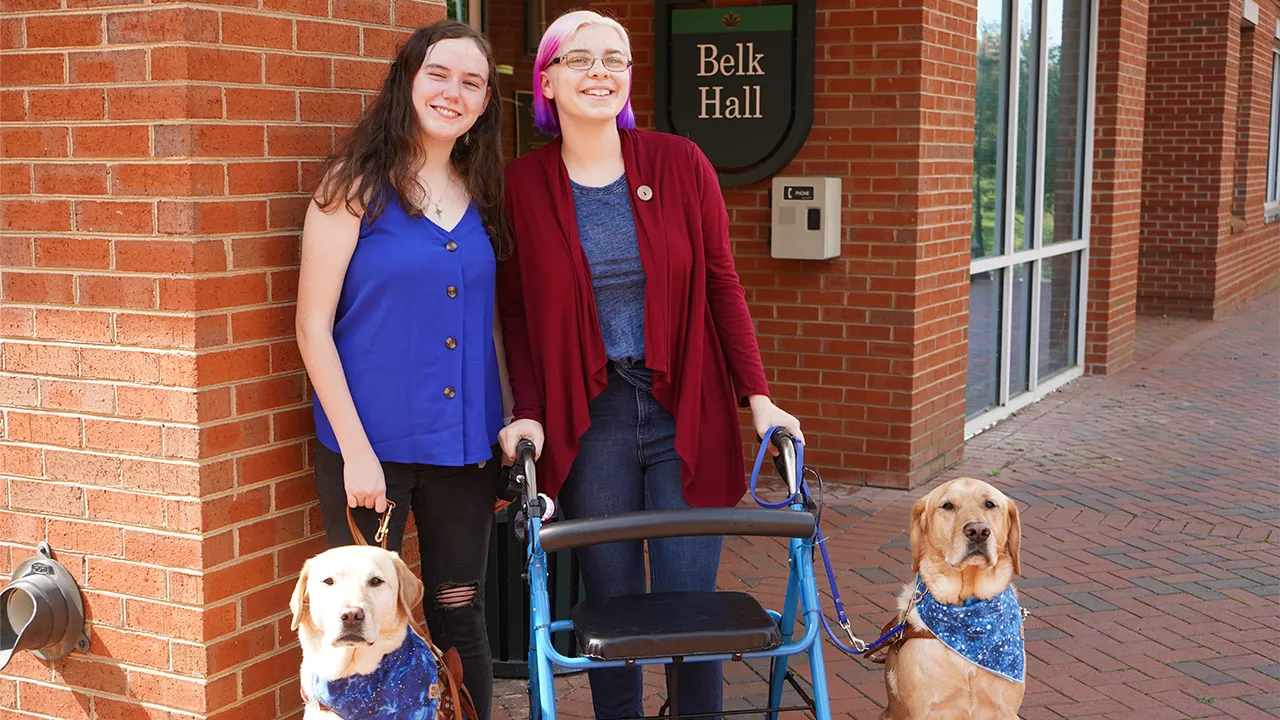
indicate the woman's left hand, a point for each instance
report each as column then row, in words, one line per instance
column 764, row 415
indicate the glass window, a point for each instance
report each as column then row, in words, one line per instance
column 471, row 12
column 1024, row 138
column 988, row 181
column 982, row 392
column 1065, row 105
column 1059, row 313
column 457, row 9
column 1020, row 331
column 1030, row 183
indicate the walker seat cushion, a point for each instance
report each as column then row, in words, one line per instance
column 654, row 625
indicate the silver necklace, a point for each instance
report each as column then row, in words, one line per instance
column 430, row 196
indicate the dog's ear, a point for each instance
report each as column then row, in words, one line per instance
column 1013, row 543
column 410, row 586
column 918, row 527
column 298, row 603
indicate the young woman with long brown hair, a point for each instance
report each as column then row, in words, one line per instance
column 396, row 326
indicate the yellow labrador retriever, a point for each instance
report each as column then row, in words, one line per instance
column 352, row 608
column 965, row 542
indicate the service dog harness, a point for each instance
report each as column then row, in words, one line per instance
column 987, row 633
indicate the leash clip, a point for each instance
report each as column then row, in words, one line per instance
column 385, row 525
column 857, row 644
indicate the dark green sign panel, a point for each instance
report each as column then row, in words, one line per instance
column 738, row 81
column 727, row 65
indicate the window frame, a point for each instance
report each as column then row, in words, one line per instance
column 1271, row 207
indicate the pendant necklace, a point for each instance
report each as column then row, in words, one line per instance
column 430, row 194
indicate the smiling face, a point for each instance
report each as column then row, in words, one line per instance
column 451, row 88
column 594, row 95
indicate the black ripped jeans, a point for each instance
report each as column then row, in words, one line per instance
column 453, row 509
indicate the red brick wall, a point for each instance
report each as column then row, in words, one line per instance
column 1188, row 139
column 1194, row 259
column 1120, row 98
column 868, row 349
column 155, row 165
column 1249, row 257
column 99, row 379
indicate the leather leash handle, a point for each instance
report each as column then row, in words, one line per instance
column 383, row 527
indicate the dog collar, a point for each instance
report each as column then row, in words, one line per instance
column 402, row 687
column 987, row 633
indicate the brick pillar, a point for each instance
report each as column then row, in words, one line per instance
column 1189, row 145
column 1205, row 250
column 942, row 176
column 868, row 349
column 1117, row 186
column 1248, row 258
column 101, row 453
column 156, row 162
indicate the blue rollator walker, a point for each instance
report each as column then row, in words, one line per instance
column 674, row 628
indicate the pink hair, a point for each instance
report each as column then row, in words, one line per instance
column 545, row 117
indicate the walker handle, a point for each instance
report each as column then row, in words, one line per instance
column 520, row 476
column 786, row 460
column 525, row 469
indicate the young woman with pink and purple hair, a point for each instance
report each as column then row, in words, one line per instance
column 629, row 345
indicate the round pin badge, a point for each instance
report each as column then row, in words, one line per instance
column 644, row 192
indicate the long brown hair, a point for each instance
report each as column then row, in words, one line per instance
column 384, row 149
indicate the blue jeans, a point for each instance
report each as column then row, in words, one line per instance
column 628, row 462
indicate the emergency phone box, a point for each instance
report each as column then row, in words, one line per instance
column 806, row 218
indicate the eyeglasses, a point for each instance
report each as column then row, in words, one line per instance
column 581, row 61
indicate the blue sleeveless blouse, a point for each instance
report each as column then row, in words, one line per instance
column 414, row 331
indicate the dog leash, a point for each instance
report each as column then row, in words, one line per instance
column 856, row 646
column 380, row 536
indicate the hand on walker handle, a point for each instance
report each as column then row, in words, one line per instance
column 764, row 415
column 518, row 430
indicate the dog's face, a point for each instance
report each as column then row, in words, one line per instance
column 352, row 596
column 964, row 523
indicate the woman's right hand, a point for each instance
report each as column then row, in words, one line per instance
column 364, row 482
column 518, row 430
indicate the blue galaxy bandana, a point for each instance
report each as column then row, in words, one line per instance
column 987, row 633
column 402, row 687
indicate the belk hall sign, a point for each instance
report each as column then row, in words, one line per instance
column 738, row 81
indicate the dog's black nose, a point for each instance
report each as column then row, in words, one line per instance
column 352, row 616
column 976, row 531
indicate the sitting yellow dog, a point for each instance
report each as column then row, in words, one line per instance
column 962, row 655
column 363, row 656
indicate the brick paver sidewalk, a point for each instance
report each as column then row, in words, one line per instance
column 1150, row 506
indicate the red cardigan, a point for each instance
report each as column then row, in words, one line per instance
column 697, row 331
